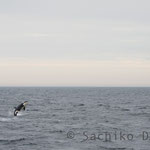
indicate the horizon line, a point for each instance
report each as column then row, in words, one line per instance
column 78, row 86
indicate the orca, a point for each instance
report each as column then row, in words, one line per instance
column 20, row 107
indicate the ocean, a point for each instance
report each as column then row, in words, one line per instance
column 75, row 118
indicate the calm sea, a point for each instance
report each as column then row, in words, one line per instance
column 78, row 118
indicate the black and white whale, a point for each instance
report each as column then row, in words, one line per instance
column 20, row 107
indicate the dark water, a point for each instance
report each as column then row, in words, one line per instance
column 75, row 119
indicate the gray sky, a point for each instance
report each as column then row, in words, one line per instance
column 74, row 43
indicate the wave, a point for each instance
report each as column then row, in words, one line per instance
column 123, row 148
column 5, row 119
column 139, row 114
column 11, row 141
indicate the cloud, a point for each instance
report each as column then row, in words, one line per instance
column 42, row 72
column 36, row 35
column 94, row 44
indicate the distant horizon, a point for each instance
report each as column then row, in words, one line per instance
column 81, row 86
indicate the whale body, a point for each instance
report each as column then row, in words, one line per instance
column 20, row 107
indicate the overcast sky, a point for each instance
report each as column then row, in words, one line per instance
column 74, row 43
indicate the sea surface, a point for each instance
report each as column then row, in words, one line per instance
column 75, row 118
